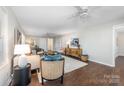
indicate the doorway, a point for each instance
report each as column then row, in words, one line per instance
column 118, row 41
column 50, row 44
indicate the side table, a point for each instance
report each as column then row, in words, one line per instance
column 22, row 76
column 84, row 58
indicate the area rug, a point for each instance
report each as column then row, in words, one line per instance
column 71, row 64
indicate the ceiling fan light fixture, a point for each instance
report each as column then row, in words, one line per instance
column 85, row 14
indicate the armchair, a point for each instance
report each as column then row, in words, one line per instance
column 51, row 70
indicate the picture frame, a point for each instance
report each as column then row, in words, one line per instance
column 75, row 42
column 17, row 36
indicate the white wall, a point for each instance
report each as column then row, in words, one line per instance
column 96, row 41
column 43, row 43
column 8, row 44
column 62, row 41
column 120, row 43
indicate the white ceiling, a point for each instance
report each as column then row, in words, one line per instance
column 40, row 20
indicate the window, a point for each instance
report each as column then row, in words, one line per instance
column 50, row 43
column 1, row 49
column 1, row 45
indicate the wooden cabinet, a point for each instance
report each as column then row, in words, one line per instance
column 75, row 52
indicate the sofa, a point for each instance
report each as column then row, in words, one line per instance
column 34, row 60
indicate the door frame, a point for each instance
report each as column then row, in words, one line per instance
column 114, row 43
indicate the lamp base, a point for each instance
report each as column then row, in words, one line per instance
column 22, row 61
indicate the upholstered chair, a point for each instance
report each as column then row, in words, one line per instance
column 52, row 70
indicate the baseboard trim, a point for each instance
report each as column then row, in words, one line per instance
column 101, row 63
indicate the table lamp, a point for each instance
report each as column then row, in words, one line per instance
column 22, row 49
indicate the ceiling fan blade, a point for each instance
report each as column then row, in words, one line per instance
column 74, row 16
column 79, row 8
column 82, row 8
column 81, row 15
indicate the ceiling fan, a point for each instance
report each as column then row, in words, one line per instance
column 82, row 12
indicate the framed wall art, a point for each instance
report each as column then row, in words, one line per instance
column 17, row 36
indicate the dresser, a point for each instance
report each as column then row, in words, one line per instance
column 75, row 52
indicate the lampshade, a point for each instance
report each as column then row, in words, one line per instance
column 21, row 49
column 68, row 42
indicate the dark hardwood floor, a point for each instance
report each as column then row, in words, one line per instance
column 92, row 75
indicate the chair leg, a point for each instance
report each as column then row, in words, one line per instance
column 42, row 82
column 61, row 79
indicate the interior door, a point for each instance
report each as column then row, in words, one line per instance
column 50, row 44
